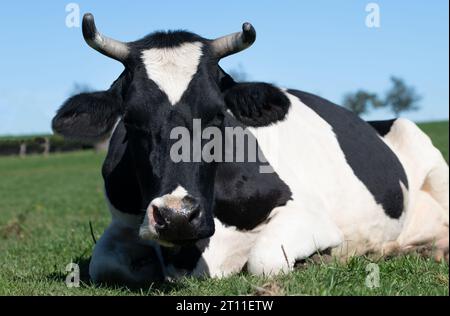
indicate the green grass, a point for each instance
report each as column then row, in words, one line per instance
column 46, row 205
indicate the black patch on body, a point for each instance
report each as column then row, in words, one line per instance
column 382, row 127
column 244, row 197
column 372, row 161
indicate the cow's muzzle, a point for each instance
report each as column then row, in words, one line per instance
column 172, row 220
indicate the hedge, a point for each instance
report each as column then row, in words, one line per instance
column 10, row 146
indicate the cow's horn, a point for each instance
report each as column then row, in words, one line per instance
column 105, row 45
column 234, row 43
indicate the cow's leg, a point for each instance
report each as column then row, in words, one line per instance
column 120, row 257
column 437, row 184
column 427, row 221
column 426, row 168
column 426, row 228
column 435, row 199
column 292, row 233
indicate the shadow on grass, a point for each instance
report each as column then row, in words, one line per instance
column 152, row 288
column 158, row 287
column 82, row 262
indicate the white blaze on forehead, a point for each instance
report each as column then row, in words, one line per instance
column 172, row 68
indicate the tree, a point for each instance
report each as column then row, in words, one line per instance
column 361, row 101
column 401, row 98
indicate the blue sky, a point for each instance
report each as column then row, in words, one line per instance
column 323, row 47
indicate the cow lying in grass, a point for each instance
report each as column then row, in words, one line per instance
column 322, row 178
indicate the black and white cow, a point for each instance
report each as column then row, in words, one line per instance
column 339, row 183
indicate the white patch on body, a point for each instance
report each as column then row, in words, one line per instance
column 226, row 252
column 172, row 68
column 427, row 214
column 313, row 165
column 294, row 232
column 426, row 223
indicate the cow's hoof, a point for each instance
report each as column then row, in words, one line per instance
column 264, row 263
column 442, row 250
column 390, row 249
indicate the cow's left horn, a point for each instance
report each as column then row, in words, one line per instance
column 105, row 45
column 234, row 43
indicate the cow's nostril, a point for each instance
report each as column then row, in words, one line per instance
column 194, row 213
column 159, row 219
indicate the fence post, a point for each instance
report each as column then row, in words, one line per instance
column 23, row 150
column 101, row 146
column 46, row 146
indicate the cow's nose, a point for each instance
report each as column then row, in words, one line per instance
column 176, row 221
column 172, row 213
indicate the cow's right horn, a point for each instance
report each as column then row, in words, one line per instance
column 105, row 45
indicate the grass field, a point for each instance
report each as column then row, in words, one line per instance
column 46, row 205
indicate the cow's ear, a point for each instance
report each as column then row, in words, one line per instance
column 88, row 116
column 256, row 103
